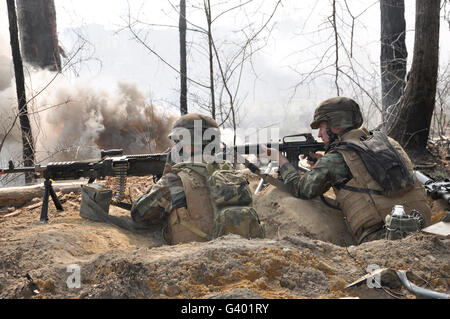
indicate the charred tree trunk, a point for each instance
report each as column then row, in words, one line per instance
column 412, row 124
column 393, row 55
column 27, row 136
column 38, row 35
column 183, row 63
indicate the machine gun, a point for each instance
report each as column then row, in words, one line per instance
column 291, row 147
column 435, row 189
column 111, row 163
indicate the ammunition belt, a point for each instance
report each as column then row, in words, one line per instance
column 120, row 171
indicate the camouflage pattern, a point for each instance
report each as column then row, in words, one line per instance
column 164, row 196
column 187, row 121
column 229, row 188
column 329, row 170
column 190, row 122
column 339, row 112
column 230, row 193
column 167, row 194
column 240, row 220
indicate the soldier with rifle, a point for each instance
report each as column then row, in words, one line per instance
column 369, row 172
column 169, row 195
column 197, row 197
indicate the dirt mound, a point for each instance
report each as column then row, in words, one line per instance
column 284, row 214
column 290, row 263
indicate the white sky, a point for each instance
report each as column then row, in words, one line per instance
column 122, row 59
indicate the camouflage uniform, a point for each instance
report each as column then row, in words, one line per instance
column 361, row 198
column 164, row 196
column 329, row 170
column 197, row 200
column 167, row 194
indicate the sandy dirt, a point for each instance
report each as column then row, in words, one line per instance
column 298, row 258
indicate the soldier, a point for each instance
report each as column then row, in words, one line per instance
column 369, row 172
column 199, row 198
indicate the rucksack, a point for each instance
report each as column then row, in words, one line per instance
column 382, row 161
column 231, row 199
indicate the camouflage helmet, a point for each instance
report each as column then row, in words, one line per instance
column 339, row 112
column 195, row 123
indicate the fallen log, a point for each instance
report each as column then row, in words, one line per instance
column 17, row 196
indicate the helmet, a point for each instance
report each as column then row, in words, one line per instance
column 339, row 112
column 195, row 124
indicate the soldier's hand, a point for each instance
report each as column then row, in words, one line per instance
column 268, row 152
column 315, row 156
column 273, row 154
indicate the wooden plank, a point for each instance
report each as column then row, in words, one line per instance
column 440, row 229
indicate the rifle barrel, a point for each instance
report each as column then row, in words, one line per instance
column 282, row 147
column 21, row 170
column 423, row 178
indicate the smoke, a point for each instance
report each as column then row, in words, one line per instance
column 73, row 120
column 84, row 120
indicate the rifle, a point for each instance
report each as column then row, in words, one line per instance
column 291, row 147
column 435, row 189
column 111, row 163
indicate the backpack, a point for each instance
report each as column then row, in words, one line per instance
column 231, row 200
column 382, row 161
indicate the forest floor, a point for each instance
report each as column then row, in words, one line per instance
column 293, row 261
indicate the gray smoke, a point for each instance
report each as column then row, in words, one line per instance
column 72, row 120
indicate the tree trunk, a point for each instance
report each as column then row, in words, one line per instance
column 393, row 54
column 17, row 196
column 412, row 125
column 183, row 63
column 27, row 136
column 207, row 5
column 38, row 34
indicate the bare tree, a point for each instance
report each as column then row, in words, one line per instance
column 336, row 50
column 440, row 115
column 38, row 33
column 411, row 127
column 230, row 63
column 393, row 53
column 337, row 61
column 183, row 60
column 207, row 7
column 27, row 136
column 226, row 58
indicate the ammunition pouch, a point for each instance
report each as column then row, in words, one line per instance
column 218, row 203
column 95, row 201
column 400, row 227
